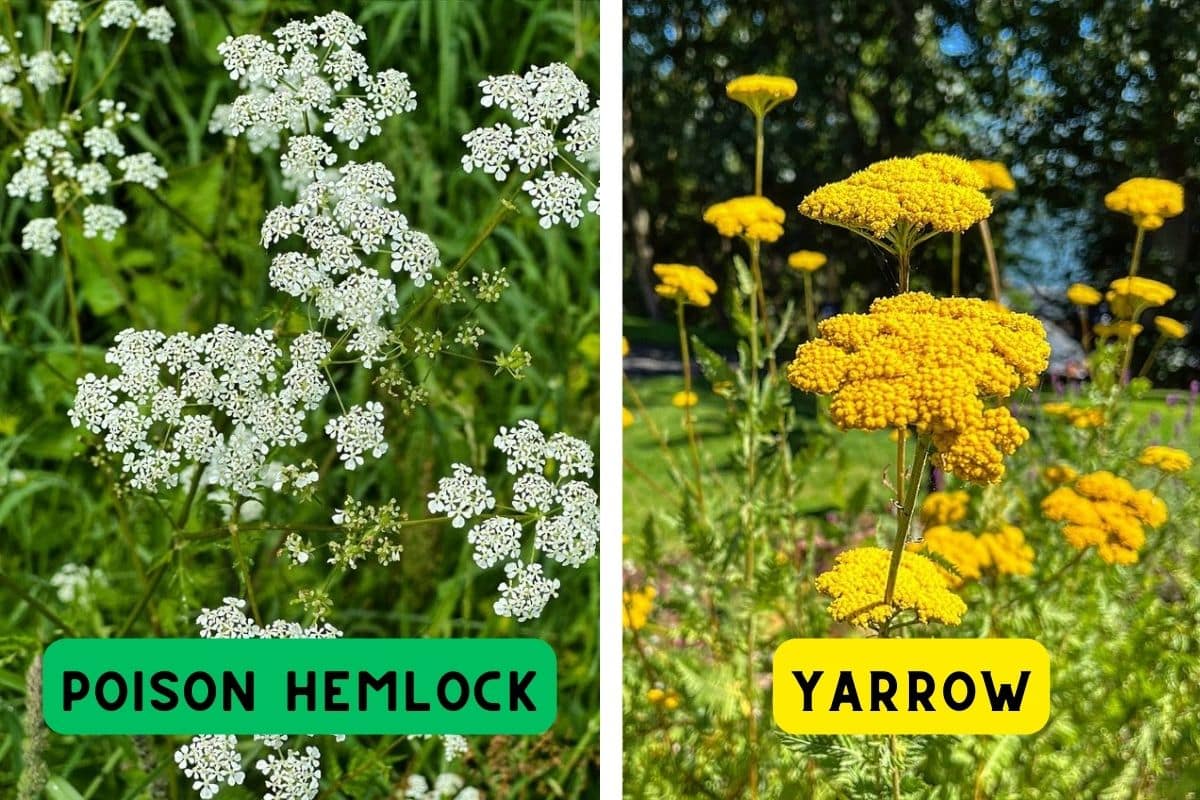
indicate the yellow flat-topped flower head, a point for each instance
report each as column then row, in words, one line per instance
column 995, row 176
column 627, row 417
column 1149, row 201
column 685, row 399
column 1170, row 328
column 1128, row 297
column 624, row 347
column 858, row 580
column 901, row 201
column 751, row 217
column 932, row 365
column 1059, row 473
column 1121, row 329
column 1008, row 551
column 807, row 260
column 944, row 508
column 1076, row 416
column 637, row 606
column 1081, row 294
column 689, row 284
column 761, row 93
column 1165, row 459
column 961, row 550
column 1104, row 511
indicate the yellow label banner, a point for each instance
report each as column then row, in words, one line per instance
column 911, row 686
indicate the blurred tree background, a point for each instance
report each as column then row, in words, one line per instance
column 1074, row 96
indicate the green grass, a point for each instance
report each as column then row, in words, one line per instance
column 841, row 477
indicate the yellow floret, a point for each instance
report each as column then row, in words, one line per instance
column 1081, row 294
column 1170, row 328
column 1129, row 296
column 1104, row 511
column 995, row 175
column 760, row 93
column 858, row 580
column 933, row 191
column 1009, row 553
column 1165, row 459
column 944, row 508
column 682, row 282
column 961, row 550
column 1148, row 200
column 807, row 260
column 933, row 365
column 752, row 217
column 637, row 605
column 685, row 399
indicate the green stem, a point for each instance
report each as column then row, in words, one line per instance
column 688, row 423
column 72, row 304
column 758, row 154
column 904, row 517
column 1136, row 260
column 955, row 263
column 1158, row 343
column 993, row 268
column 240, row 559
column 34, row 603
column 107, row 70
column 810, row 311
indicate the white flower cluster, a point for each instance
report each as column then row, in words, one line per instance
column 222, row 400
column 47, row 68
column 565, row 514
column 310, row 77
column 343, row 221
column 79, row 170
column 74, row 583
column 211, row 762
column 446, row 786
column 541, row 99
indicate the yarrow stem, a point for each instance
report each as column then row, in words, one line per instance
column 688, row 422
column 955, row 263
column 993, row 267
column 905, row 515
column 1136, row 260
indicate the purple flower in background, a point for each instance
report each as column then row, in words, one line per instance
column 1057, row 384
column 1172, row 400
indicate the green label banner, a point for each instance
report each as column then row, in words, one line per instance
column 299, row 686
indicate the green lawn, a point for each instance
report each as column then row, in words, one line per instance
column 855, row 463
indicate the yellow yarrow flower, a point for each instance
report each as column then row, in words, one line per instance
column 1122, row 329
column 1104, row 511
column 685, row 399
column 1129, row 296
column 1078, row 417
column 961, row 550
column 1170, row 328
column 1059, row 473
column 683, row 282
column 624, row 347
column 760, row 93
column 995, row 176
column 807, row 260
column 667, row 698
column 944, row 508
column 1081, row 294
column 1165, row 459
column 858, row 579
column 894, row 201
column 636, row 607
column 1008, row 551
column 1002, row 552
column 752, row 217
column 627, row 417
column 916, row 361
column 1148, row 200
